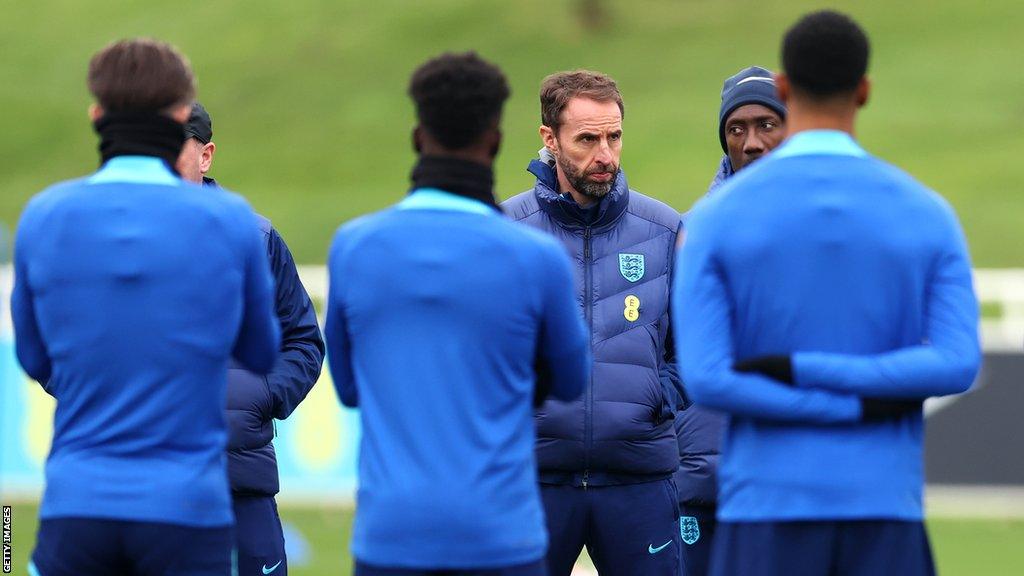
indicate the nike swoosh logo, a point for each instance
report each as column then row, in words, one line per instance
column 650, row 548
column 274, row 567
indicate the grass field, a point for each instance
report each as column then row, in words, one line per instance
column 971, row 547
column 313, row 124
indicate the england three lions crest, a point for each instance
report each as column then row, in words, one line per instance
column 631, row 266
column 689, row 529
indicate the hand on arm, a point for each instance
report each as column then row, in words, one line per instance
column 702, row 321
column 946, row 363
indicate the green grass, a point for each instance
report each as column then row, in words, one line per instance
column 970, row 547
column 313, row 123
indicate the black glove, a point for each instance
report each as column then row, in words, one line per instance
column 874, row 409
column 778, row 367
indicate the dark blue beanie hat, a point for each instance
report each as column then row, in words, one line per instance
column 754, row 85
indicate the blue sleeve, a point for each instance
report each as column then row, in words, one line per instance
column 302, row 349
column 702, row 320
column 28, row 341
column 563, row 354
column 946, row 363
column 259, row 336
column 339, row 359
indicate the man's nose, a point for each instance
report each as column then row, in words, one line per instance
column 754, row 144
column 604, row 153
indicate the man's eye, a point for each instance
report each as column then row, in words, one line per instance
column 735, row 130
column 769, row 126
column 587, row 138
column 615, row 137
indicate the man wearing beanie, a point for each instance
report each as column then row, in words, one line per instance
column 254, row 401
column 823, row 295
column 133, row 289
column 480, row 312
column 751, row 122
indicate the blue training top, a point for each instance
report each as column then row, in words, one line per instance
column 439, row 310
column 824, row 252
column 132, row 289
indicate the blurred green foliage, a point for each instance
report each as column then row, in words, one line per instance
column 313, row 124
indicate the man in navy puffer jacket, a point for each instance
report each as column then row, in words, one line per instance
column 751, row 122
column 253, row 401
column 606, row 460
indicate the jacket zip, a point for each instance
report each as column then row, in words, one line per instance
column 588, row 409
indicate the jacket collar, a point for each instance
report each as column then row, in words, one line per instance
column 565, row 210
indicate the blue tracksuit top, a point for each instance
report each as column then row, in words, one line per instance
column 862, row 274
column 132, row 290
column 439, row 310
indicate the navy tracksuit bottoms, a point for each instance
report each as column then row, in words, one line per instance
column 697, row 529
column 821, row 548
column 259, row 539
column 100, row 547
column 628, row 530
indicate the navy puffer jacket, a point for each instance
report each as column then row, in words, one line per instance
column 621, row 430
column 254, row 401
column 700, row 429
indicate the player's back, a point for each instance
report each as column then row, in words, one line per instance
column 826, row 253
column 137, row 284
column 443, row 309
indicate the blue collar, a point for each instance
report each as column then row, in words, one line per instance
column 135, row 170
column 435, row 199
column 819, row 142
column 565, row 210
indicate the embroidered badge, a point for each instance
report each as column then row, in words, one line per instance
column 689, row 529
column 631, row 266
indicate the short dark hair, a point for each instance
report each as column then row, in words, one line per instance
column 458, row 97
column 140, row 75
column 559, row 88
column 825, row 54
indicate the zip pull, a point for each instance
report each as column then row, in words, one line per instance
column 586, row 477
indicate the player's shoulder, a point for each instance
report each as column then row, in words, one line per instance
column 360, row 229
column 51, row 198
column 653, row 210
column 913, row 194
column 522, row 205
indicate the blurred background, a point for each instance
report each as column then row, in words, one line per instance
column 312, row 125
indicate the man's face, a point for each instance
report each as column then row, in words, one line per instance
column 587, row 146
column 195, row 160
column 751, row 131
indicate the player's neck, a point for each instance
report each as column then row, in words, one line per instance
column 802, row 118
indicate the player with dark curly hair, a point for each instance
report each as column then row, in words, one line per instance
column 445, row 322
column 823, row 295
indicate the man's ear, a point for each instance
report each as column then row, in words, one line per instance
column 549, row 138
column 863, row 93
column 95, row 112
column 417, row 140
column 206, row 157
column 180, row 113
column 782, row 87
column 496, row 139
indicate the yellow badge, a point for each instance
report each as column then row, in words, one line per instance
column 632, row 311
